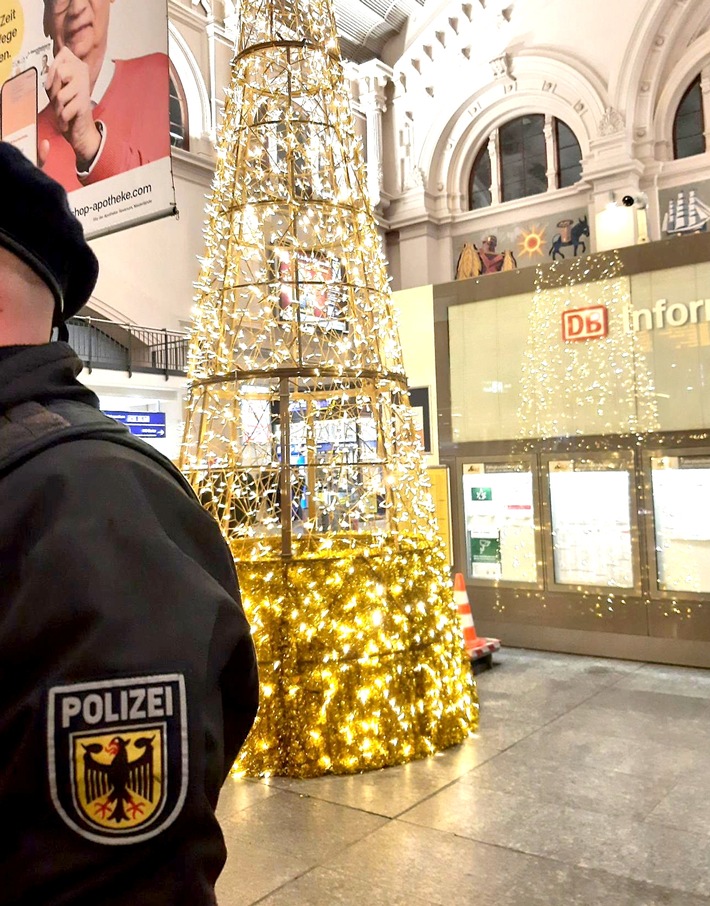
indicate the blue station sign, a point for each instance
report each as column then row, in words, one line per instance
column 141, row 424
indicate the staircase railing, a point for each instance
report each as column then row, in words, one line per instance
column 126, row 347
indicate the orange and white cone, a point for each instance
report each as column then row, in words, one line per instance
column 476, row 646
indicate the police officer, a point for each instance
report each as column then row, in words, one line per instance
column 127, row 672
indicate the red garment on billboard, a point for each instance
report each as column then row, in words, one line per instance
column 134, row 111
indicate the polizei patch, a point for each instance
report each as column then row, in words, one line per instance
column 118, row 756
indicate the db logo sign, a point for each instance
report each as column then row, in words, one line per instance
column 585, row 323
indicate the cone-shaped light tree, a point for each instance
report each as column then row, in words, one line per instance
column 299, row 437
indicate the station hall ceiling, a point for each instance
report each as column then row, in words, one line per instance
column 365, row 26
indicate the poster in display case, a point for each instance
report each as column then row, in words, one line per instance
column 441, row 498
column 590, row 513
column 419, row 402
column 681, row 519
column 311, row 289
column 499, row 510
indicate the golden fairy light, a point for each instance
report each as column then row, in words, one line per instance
column 299, row 436
column 590, row 384
column 586, row 377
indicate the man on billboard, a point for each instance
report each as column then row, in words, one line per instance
column 104, row 116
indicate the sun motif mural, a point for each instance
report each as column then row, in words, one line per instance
column 532, row 241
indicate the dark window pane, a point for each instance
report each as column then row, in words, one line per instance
column 569, row 155
column 178, row 138
column 689, row 124
column 515, row 190
column 523, row 157
column 569, row 176
column 537, row 176
column 686, row 126
column 480, row 184
column 510, row 146
column 692, row 100
column 565, row 137
column 514, row 130
column 535, row 144
column 688, row 147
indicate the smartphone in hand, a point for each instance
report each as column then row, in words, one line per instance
column 18, row 112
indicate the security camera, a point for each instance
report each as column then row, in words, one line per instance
column 635, row 201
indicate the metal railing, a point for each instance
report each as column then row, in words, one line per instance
column 126, row 347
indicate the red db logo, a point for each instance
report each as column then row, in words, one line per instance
column 585, row 323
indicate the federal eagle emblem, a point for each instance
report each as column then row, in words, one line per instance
column 118, row 778
column 118, row 756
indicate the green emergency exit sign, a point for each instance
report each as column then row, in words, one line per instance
column 481, row 494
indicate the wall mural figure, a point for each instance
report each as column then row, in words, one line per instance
column 570, row 234
column 469, row 264
column 494, row 261
column 691, row 216
column 532, row 241
column 474, row 262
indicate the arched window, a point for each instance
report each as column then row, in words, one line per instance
column 528, row 150
column 689, row 123
column 179, row 132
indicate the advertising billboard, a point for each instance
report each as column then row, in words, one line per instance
column 84, row 93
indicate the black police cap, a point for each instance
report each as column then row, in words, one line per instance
column 37, row 225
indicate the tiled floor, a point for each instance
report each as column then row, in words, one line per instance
column 588, row 784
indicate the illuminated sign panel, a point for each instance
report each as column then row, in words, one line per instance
column 585, row 323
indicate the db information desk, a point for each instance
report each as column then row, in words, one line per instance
column 579, row 451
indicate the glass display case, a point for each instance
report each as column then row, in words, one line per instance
column 681, row 517
column 499, row 512
column 590, row 513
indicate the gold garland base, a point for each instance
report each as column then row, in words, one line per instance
column 360, row 654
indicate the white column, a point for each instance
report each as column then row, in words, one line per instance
column 231, row 26
column 211, row 29
column 373, row 79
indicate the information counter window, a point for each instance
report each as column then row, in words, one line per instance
column 500, row 522
column 590, row 513
column 681, row 510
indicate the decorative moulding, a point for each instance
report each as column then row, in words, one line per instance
column 612, row 122
column 502, row 67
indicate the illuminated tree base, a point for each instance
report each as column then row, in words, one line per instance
column 360, row 662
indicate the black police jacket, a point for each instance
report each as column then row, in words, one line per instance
column 128, row 677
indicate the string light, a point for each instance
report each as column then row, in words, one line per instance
column 299, row 437
column 564, row 385
column 359, row 656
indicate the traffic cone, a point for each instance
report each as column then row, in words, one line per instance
column 477, row 647
column 465, row 615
